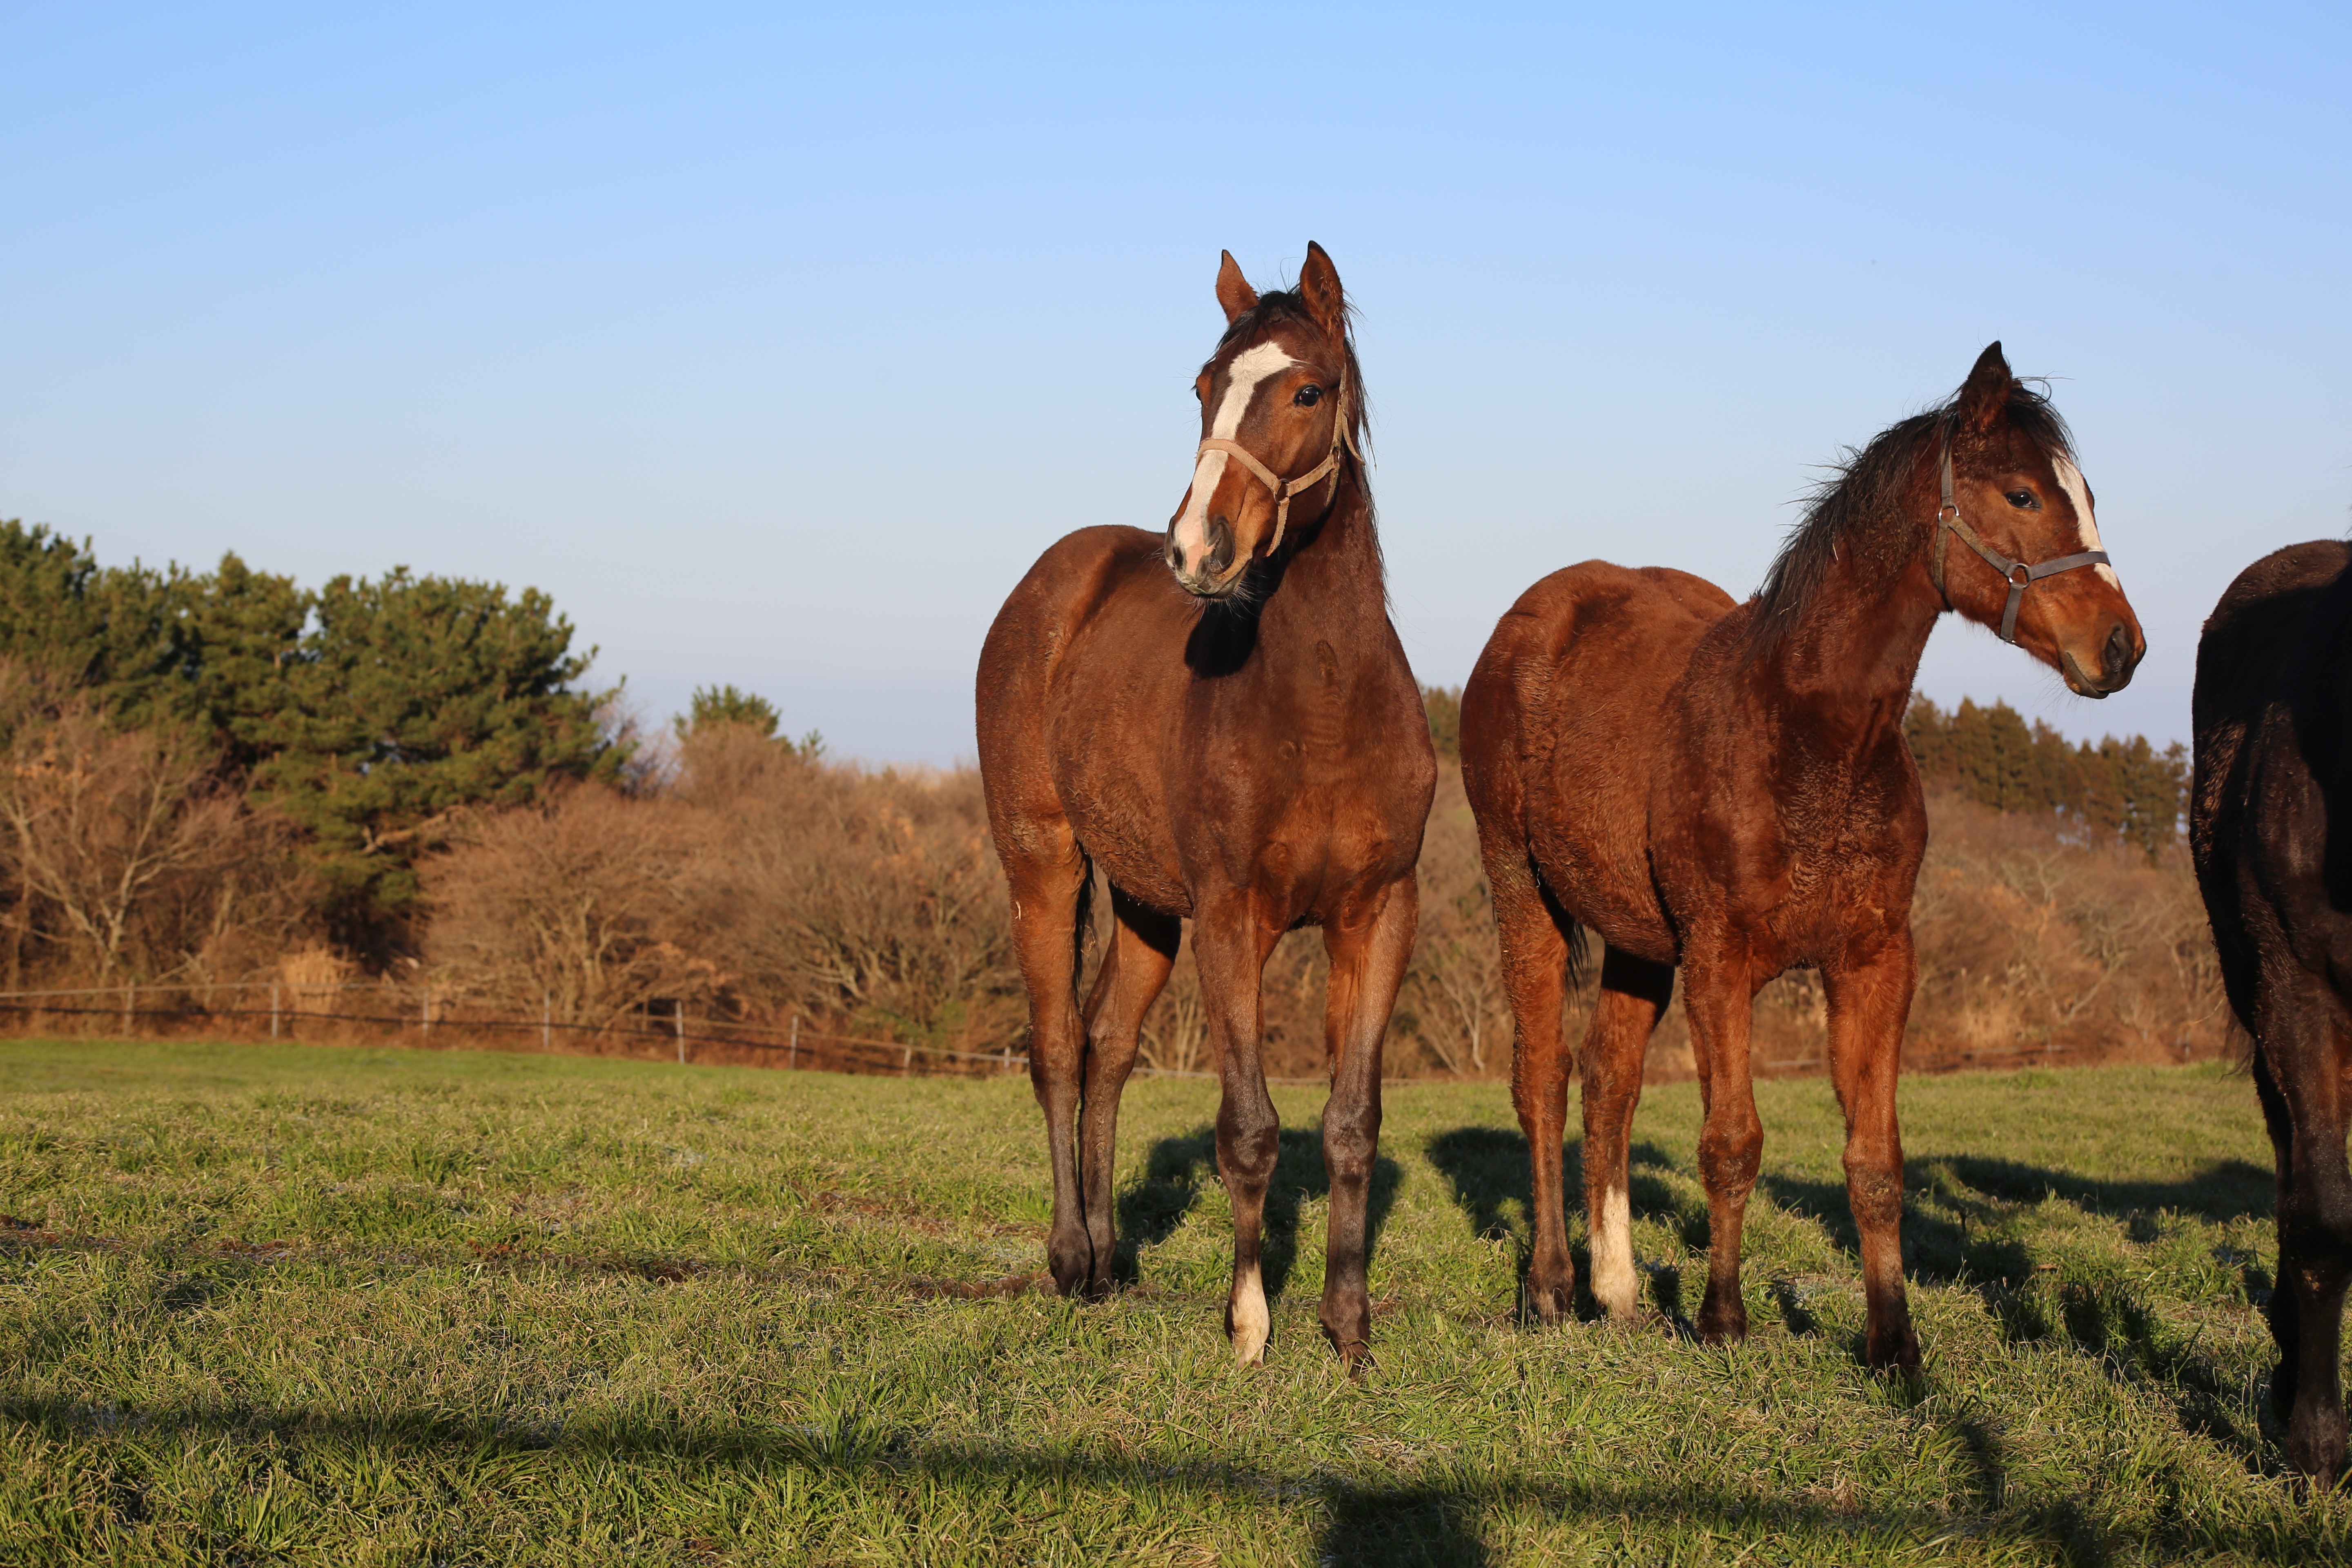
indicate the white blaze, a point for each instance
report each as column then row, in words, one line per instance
column 1612, row 1255
column 2070, row 479
column 1241, row 378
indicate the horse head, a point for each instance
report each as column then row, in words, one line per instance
column 1279, row 403
column 2032, row 567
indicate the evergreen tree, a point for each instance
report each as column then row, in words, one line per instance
column 408, row 702
column 2117, row 789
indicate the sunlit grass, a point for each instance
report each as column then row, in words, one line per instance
column 312, row 1305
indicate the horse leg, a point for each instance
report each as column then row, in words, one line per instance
column 1535, row 972
column 1634, row 993
column 1869, row 1002
column 1717, row 996
column 1143, row 950
column 1048, row 880
column 2299, row 1068
column 1229, row 948
column 1369, row 947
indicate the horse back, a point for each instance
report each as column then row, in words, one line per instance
column 2270, row 823
column 1561, row 724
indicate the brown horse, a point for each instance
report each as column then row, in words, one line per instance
column 1726, row 787
column 1220, row 718
column 2270, row 825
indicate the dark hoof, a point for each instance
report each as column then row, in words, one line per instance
column 1071, row 1266
column 1898, row 1351
column 1355, row 1355
column 1722, row 1320
column 1551, row 1300
column 2316, row 1449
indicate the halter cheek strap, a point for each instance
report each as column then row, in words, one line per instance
column 2019, row 575
column 1342, row 438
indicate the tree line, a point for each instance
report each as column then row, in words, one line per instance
column 337, row 733
column 224, row 776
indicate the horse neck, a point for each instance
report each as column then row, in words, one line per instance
column 1335, row 569
column 1850, row 659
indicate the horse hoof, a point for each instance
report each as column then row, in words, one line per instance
column 1722, row 1324
column 1553, row 1301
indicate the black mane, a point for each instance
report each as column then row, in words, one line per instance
column 1858, row 509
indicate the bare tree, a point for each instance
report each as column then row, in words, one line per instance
column 100, row 824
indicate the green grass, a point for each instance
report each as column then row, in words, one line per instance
column 264, row 1304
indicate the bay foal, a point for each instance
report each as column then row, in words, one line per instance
column 2269, row 825
column 1726, row 788
column 1220, row 719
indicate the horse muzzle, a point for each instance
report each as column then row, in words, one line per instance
column 2116, row 656
column 1209, row 570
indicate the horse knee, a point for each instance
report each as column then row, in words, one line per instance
column 1729, row 1161
column 1349, row 1150
column 1246, row 1150
column 1873, row 1187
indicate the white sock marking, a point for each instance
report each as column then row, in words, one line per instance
column 2078, row 494
column 1613, row 1254
column 1251, row 1322
column 1243, row 377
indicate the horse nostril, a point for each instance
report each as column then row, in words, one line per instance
column 1221, row 546
column 2114, row 664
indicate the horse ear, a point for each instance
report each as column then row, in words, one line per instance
column 1319, row 285
column 1234, row 291
column 1984, row 396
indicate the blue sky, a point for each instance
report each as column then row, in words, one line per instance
column 777, row 343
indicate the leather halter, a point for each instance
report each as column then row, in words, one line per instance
column 2018, row 574
column 1283, row 490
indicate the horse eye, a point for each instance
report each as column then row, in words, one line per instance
column 2022, row 499
column 1308, row 396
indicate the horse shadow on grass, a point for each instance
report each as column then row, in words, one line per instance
column 1492, row 1178
column 1179, row 1167
column 1363, row 1520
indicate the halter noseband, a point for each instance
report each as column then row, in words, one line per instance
column 1283, row 490
column 1948, row 520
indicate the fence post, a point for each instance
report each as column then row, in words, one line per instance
column 546, row 1021
column 680, row 1016
column 273, row 1009
column 130, row 996
column 428, row 1005
column 792, row 1058
column 907, row 1062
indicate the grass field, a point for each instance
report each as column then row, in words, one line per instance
column 263, row 1305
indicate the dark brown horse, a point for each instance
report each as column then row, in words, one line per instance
column 2270, row 824
column 1221, row 720
column 1726, row 787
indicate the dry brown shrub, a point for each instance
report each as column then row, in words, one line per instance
column 580, row 905
column 127, row 854
column 873, row 898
